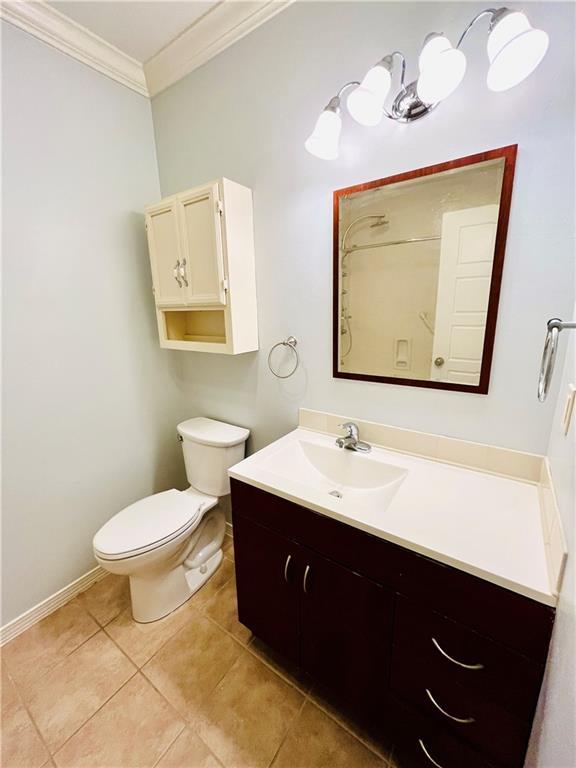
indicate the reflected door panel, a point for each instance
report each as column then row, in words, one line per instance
column 464, row 275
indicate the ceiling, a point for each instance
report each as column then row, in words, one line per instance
column 140, row 29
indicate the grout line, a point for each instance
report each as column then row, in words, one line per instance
column 167, row 640
column 196, row 733
column 288, row 730
column 347, row 728
column 89, row 612
column 57, row 663
column 24, row 706
column 175, row 739
column 93, row 715
column 122, row 651
column 61, row 746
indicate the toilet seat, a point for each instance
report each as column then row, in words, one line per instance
column 150, row 523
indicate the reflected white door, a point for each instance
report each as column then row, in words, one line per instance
column 466, row 257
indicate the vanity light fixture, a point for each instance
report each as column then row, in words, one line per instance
column 323, row 141
column 442, row 69
column 514, row 50
column 366, row 102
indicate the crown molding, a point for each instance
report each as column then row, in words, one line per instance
column 211, row 34
column 54, row 28
column 220, row 27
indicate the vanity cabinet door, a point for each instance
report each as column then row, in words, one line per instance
column 346, row 632
column 268, row 579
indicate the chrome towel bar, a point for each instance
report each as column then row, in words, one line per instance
column 553, row 328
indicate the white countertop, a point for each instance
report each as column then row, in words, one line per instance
column 483, row 524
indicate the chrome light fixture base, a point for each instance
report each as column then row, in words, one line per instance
column 407, row 106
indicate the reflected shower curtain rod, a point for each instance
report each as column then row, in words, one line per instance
column 352, row 248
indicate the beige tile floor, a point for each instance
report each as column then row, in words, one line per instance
column 88, row 687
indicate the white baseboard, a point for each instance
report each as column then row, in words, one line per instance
column 46, row 607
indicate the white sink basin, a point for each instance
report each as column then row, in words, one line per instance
column 339, row 473
column 486, row 525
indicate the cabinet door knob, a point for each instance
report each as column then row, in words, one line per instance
column 428, row 755
column 176, row 272
column 455, row 661
column 305, row 582
column 286, row 566
column 439, row 362
column 463, row 720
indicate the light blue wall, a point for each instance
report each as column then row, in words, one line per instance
column 90, row 400
column 246, row 114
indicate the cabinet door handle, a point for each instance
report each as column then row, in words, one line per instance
column 305, row 582
column 455, row 661
column 176, row 272
column 183, row 272
column 464, row 720
column 428, row 755
column 286, row 566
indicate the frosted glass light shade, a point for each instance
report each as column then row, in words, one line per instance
column 366, row 102
column 323, row 141
column 442, row 69
column 514, row 50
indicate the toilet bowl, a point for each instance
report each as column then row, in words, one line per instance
column 170, row 543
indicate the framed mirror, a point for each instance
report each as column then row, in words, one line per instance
column 418, row 261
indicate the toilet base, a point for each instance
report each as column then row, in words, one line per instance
column 153, row 598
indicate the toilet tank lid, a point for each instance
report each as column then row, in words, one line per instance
column 211, row 432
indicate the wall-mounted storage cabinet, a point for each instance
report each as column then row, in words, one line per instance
column 201, row 246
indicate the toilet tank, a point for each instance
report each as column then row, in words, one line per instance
column 210, row 447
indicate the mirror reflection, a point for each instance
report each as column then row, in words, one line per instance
column 415, row 265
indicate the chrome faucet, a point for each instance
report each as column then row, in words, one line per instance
column 351, row 440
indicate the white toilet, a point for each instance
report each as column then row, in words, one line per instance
column 169, row 544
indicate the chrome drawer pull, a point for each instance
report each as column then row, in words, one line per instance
column 428, row 754
column 305, row 582
column 286, row 566
column 465, row 720
column 454, row 661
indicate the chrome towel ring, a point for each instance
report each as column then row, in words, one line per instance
column 291, row 343
column 553, row 326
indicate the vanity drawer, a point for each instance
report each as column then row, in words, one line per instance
column 466, row 714
column 420, row 743
column 430, row 644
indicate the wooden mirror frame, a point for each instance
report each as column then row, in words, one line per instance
column 509, row 155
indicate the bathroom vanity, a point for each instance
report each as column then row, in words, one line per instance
column 443, row 656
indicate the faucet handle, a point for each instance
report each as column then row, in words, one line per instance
column 350, row 427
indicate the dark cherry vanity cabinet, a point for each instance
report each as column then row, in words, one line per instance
column 444, row 665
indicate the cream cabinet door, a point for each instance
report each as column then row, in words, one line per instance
column 162, row 228
column 203, row 261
